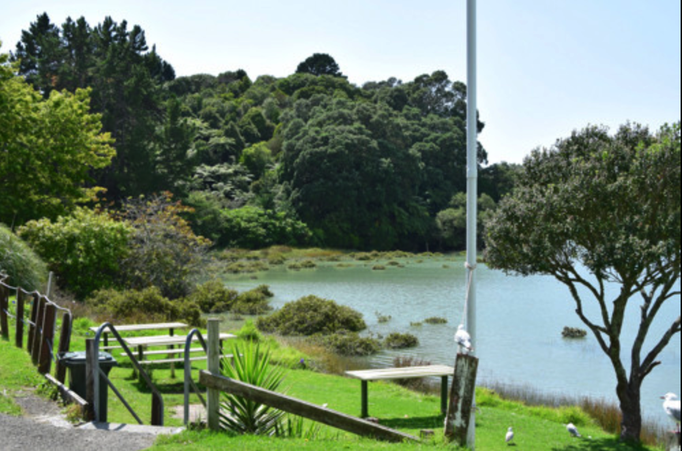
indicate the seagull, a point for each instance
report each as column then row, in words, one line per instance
column 510, row 435
column 671, row 405
column 570, row 427
column 463, row 339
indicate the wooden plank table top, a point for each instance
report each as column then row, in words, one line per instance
column 402, row 373
column 138, row 327
column 409, row 372
column 163, row 340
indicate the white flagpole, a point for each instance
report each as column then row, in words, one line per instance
column 472, row 187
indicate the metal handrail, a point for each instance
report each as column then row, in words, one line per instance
column 138, row 367
column 188, row 372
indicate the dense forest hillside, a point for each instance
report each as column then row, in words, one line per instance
column 305, row 159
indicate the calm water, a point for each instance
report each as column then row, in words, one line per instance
column 519, row 323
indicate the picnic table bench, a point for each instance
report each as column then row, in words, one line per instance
column 410, row 372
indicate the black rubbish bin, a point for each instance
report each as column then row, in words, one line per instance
column 75, row 362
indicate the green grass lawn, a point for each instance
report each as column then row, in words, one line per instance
column 536, row 428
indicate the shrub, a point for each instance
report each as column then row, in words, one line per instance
column 254, row 228
column 418, row 384
column 311, row 315
column 250, row 332
column 573, row 332
column 84, row 249
column 164, row 252
column 144, row 306
column 352, row 344
column 397, row 340
column 24, row 268
column 253, row 302
column 213, row 297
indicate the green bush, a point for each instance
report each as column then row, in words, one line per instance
column 83, row 249
column 352, row 344
column 253, row 302
column 214, row 297
column 436, row 320
column 397, row 340
column 144, row 306
column 255, row 228
column 24, row 268
column 311, row 315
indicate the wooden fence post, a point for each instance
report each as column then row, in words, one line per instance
column 32, row 325
column 47, row 339
column 19, row 337
column 90, row 361
column 4, row 304
column 64, row 344
column 461, row 399
column 213, row 395
column 38, row 332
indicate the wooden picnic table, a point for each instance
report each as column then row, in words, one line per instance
column 139, row 327
column 410, row 372
column 142, row 343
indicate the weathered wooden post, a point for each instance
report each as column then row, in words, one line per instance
column 461, row 399
column 47, row 338
column 4, row 304
column 32, row 325
column 64, row 344
column 213, row 395
column 19, row 337
column 38, row 329
column 90, row 365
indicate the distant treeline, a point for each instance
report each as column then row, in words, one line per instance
column 306, row 159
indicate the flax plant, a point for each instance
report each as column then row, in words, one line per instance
column 251, row 364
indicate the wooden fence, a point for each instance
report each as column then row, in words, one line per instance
column 41, row 322
column 216, row 383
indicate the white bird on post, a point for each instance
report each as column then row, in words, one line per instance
column 570, row 427
column 671, row 405
column 510, row 435
column 463, row 339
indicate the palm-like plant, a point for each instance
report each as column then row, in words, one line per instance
column 242, row 416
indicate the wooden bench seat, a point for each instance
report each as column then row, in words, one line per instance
column 177, row 360
column 410, row 372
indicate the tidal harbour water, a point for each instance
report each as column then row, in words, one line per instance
column 519, row 323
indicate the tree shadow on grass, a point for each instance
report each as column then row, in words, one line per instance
column 600, row 444
column 433, row 422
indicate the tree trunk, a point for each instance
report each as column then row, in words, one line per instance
column 631, row 423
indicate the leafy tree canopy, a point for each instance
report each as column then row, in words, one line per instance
column 599, row 209
column 48, row 146
column 319, row 64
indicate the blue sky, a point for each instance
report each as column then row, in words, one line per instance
column 545, row 67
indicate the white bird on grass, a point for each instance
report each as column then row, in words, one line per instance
column 510, row 435
column 463, row 339
column 671, row 405
column 570, row 427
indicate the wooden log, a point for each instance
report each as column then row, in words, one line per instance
column 47, row 339
column 461, row 399
column 4, row 305
column 68, row 395
column 19, row 337
column 302, row 408
column 213, row 395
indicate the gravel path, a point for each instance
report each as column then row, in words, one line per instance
column 43, row 427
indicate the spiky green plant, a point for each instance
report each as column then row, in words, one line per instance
column 251, row 364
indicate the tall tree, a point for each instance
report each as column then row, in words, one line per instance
column 319, row 64
column 48, row 147
column 597, row 210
